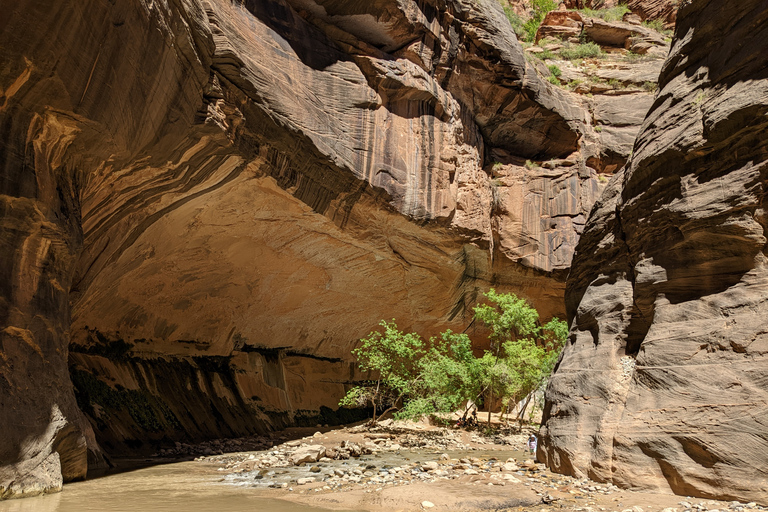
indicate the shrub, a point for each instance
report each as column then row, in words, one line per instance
column 531, row 165
column 612, row 14
column 650, row 86
column 517, row 23
column 545, row 55
column 540, row 9
column 658, row 26
column 581, row 51
column 553, row 80
column 554, row 70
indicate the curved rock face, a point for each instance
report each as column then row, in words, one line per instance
column 662, row 385
column 665, row 10
column 206, row 203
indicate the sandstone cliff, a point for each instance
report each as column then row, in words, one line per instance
column 204, row 204
column 662, row 384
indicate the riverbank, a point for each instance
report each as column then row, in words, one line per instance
column 415, row 466
column 397, row 467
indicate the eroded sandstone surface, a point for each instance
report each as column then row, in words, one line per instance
column 206, row 203
column 663, row 382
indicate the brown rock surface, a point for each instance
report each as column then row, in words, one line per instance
column 665, row 10
column 542, row 211
column 205, row 204
column 561, row 24
column 618, row 33
column 662, row 385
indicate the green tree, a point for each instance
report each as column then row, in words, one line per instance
column 449, row 375
column 522, row 353
column 394, row 356
column 540, row 10
column 418, row 378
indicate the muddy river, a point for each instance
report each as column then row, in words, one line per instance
column 177, row 487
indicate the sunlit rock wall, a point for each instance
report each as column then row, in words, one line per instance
column 663, row 383
column 206, row 203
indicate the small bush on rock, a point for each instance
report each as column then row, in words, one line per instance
column 612, row 14
column 581, row 51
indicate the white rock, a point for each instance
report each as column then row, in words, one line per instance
column 427, row 504
column 311, row 453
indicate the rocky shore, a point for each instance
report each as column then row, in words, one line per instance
column 414, row 466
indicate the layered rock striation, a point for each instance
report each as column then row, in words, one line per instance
column 204, row 204
column 662, row 384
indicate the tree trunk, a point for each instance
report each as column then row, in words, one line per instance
column 490, row 401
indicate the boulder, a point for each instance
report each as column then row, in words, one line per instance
column 560, row 24
column 664, row 10
column 304, row 454
column 510, row 466
column 617, row 33
column 633, row 74
column 632, row 19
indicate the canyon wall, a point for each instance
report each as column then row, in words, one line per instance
column 662, row 384
column 204, row 204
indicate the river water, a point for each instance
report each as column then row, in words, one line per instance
column 200, row 487
column 177, row 487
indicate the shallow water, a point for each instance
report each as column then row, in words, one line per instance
column 182, row 486
column 199, row 487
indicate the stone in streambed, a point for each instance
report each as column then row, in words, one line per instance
column 305, row 454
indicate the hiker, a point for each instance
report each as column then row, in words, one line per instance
column 532, row 441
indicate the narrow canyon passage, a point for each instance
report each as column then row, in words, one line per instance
column 205, row 205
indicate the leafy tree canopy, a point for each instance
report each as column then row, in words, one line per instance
column 418, row 378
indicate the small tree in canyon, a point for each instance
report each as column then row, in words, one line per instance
column 522, row 354
column 394, row 357
column 417, row 378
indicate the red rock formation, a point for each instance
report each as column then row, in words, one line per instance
column 228, row 195
column 665, row 10
column 662, row 385
column 561, row 24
